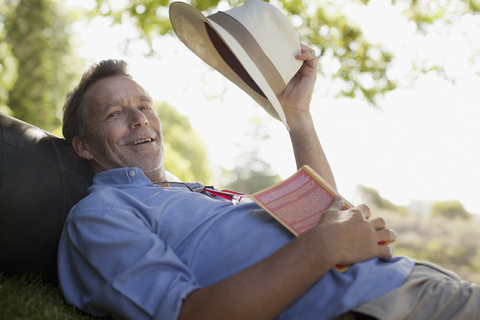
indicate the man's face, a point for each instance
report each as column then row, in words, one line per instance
column 124, row 129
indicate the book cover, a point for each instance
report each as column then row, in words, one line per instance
column 299, row 201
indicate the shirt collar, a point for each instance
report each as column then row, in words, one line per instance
column 135, row 176
column 122, row 176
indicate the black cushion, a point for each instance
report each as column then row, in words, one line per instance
column 41, row 178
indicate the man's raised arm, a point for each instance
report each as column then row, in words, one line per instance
column 296, row 105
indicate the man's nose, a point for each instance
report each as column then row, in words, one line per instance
column 137, row 118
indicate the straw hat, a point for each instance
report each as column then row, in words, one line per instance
column 253, row 45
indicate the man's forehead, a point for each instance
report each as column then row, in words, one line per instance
column 116, row 88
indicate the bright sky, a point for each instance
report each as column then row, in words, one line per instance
column 422, row 145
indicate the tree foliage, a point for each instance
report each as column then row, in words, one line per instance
column 451, row 209
column 345, row 55
column 36, row 33
column 427, row 12
column 372, row 197
column 8, row 63
column 185, row 153
column 251, row 172
column 320, row 24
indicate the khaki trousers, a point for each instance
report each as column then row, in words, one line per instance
column 429, row 292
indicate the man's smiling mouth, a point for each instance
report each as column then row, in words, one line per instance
column 140, row 142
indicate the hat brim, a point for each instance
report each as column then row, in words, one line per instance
column 219, row 49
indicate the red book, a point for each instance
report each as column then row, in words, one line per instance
column 299, row 201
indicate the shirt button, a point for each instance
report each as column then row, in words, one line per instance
column 131, row 173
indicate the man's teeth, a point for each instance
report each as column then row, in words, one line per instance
column 140, row 141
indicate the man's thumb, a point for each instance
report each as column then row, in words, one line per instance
column 337, row 203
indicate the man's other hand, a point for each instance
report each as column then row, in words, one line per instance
column 349, row 236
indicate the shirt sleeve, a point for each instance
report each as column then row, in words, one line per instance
column 110, row 261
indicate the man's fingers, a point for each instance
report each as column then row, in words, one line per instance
column 379, row 223
column 384, row 252
column 307, row 50
column 365, row 210
column 308, row 56
column 387, row 235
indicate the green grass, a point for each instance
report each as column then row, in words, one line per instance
column 26, row 297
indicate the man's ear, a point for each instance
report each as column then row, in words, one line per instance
column 81, row 148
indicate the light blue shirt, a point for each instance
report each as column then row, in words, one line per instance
column 135, row 250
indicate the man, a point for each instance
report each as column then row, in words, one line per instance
column 141, row 247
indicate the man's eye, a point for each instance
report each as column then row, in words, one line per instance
column 113, row 114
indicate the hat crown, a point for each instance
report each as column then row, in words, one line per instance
column 253, row 45
column 256, row 16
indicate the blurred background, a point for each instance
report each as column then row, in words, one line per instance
column 396, row 103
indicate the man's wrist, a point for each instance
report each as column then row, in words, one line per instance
column 322, row 248
column 300, row 121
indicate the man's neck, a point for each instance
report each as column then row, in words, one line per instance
column 158, row 177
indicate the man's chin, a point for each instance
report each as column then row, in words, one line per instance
column 152, row 169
